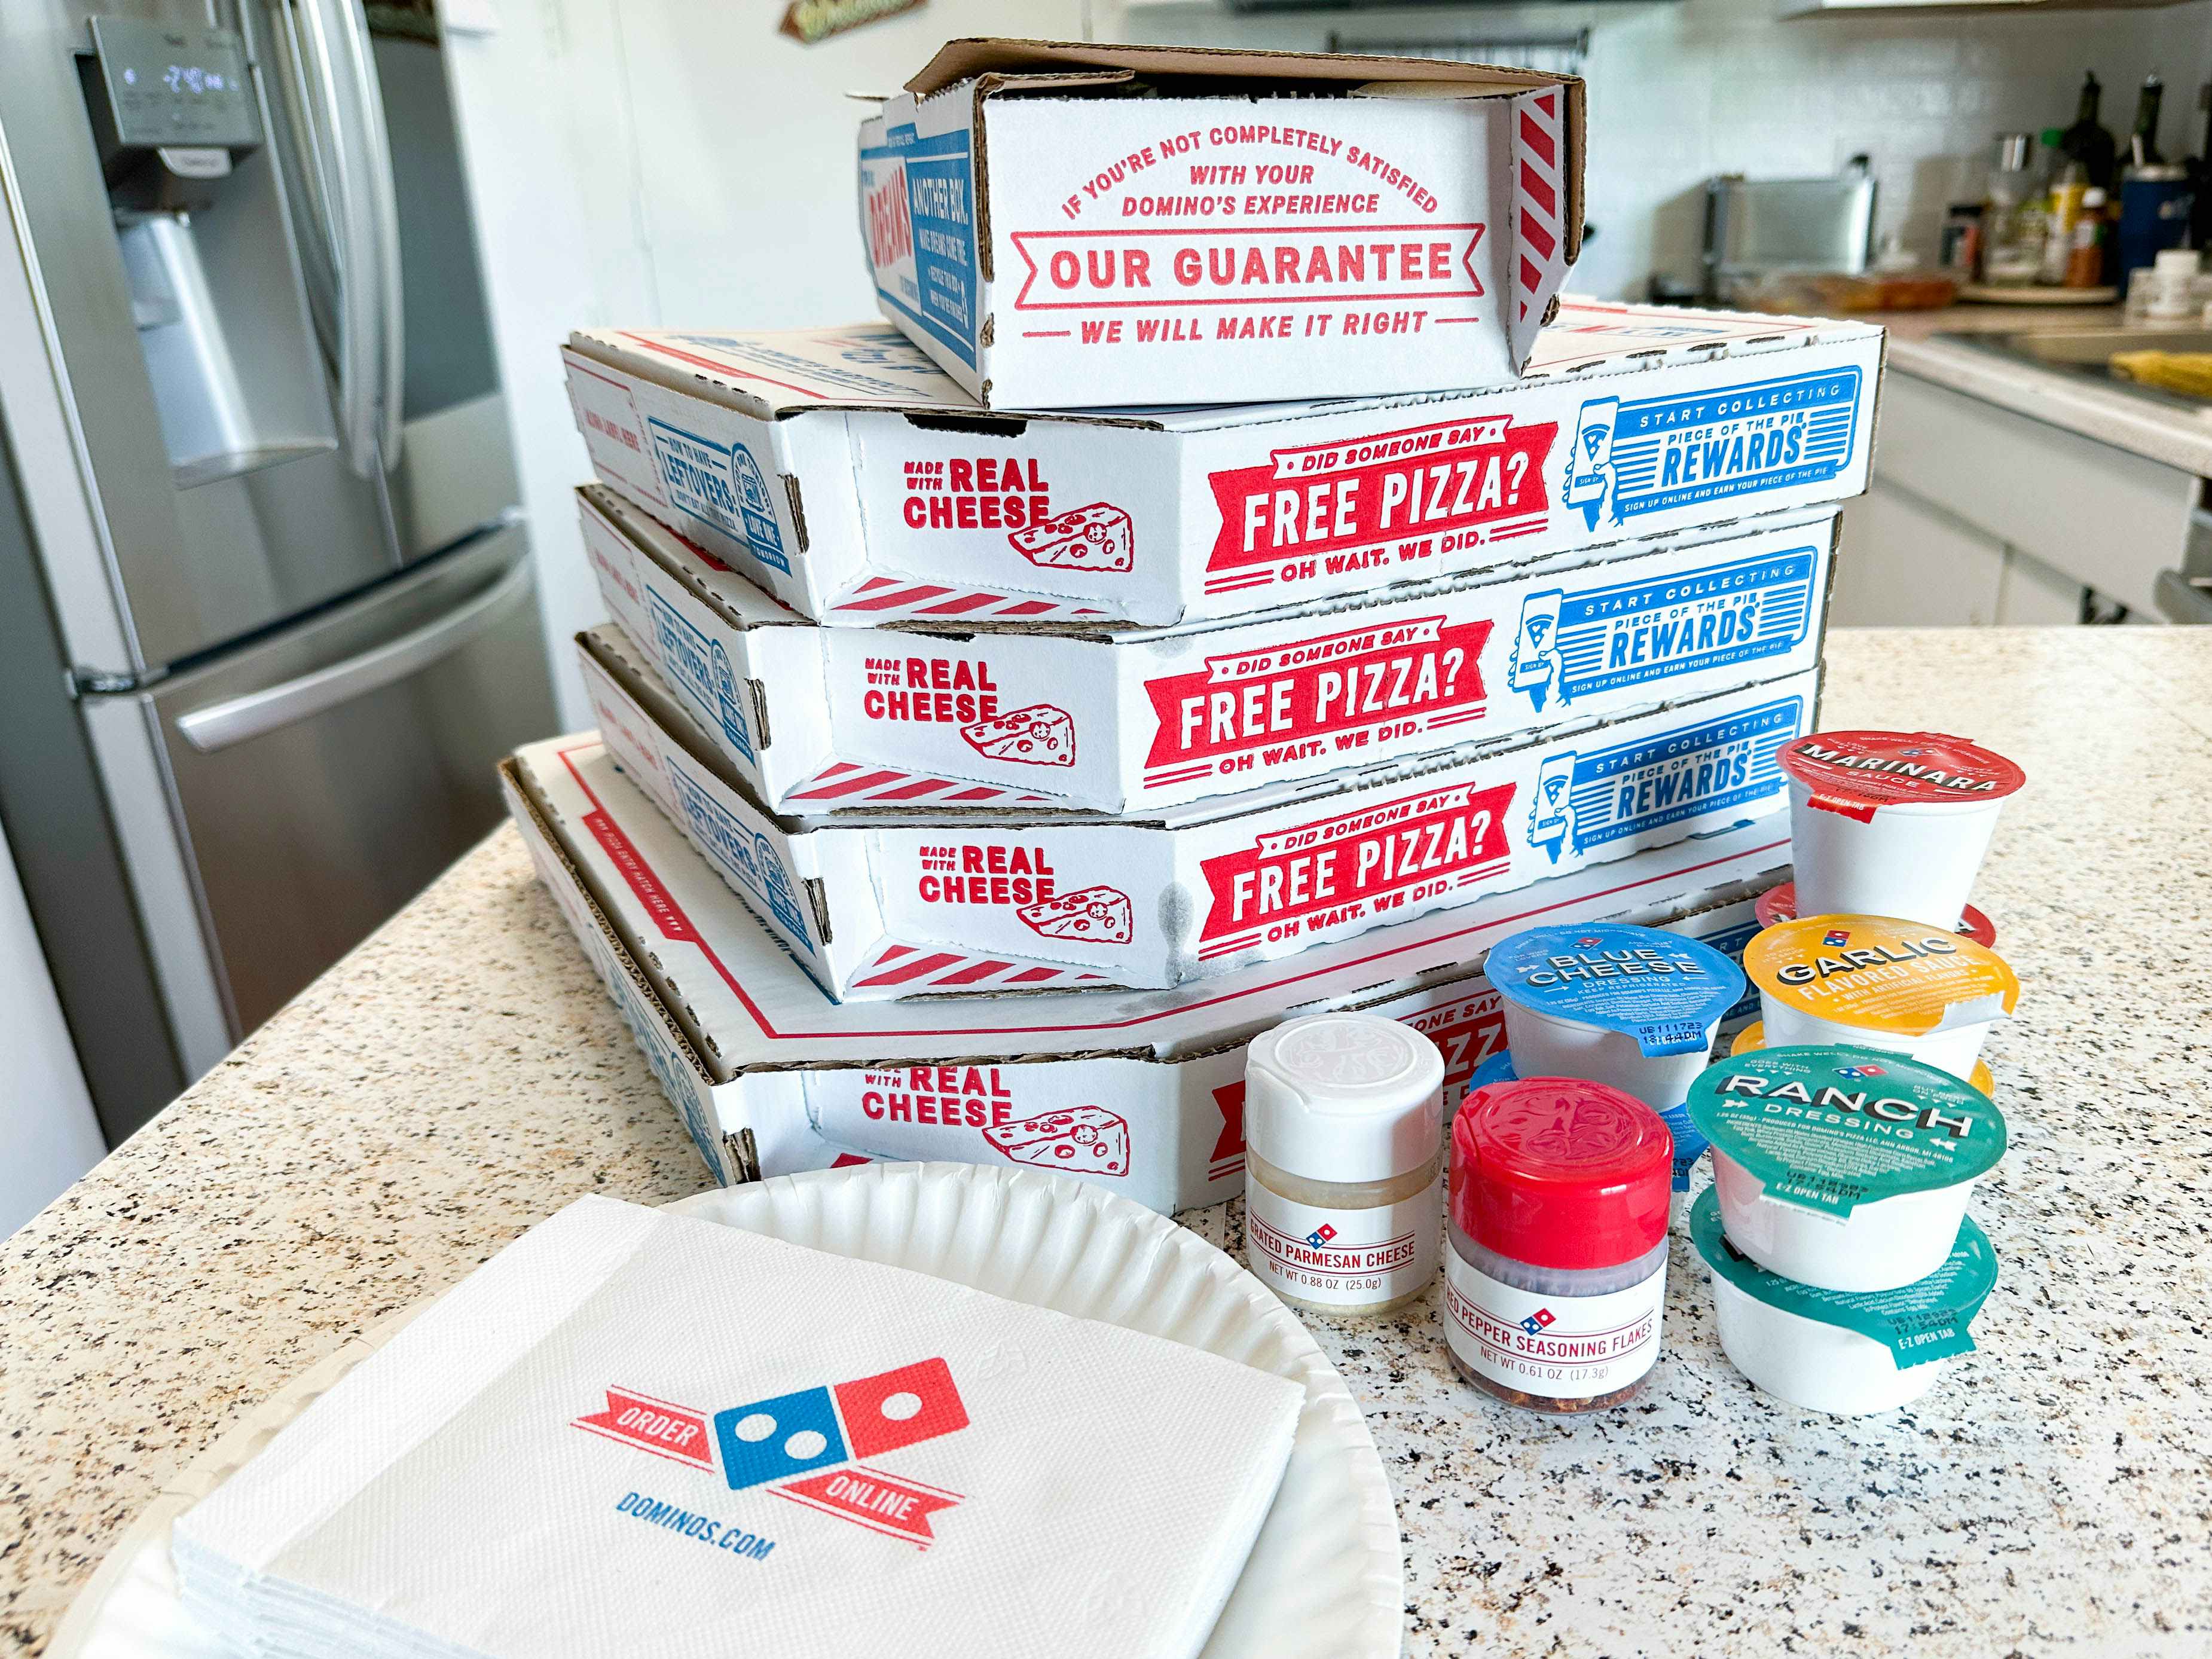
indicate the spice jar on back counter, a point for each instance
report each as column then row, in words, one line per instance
column 1556, row 1268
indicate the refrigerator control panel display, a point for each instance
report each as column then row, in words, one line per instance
column 175, row 84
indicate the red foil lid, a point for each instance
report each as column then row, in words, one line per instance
column 1780, row 904
column 1855, row 772
column 1560, row 1173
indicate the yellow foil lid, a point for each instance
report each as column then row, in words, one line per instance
column 1753, row 1035
column 1880, row 974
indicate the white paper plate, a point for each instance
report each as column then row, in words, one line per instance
column 1326, row 1578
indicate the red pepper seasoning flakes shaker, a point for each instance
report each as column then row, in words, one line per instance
column 1558, row 1268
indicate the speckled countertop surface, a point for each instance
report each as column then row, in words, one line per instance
column 462, row 1075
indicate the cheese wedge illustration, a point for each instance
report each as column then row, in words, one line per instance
column 1101, row 915
column 1039, row 735
column 1079, row 1139
column 1098, row 536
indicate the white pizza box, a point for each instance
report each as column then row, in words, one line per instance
column 839, row 471
column 1064, row 226
column 772, row 1076
column 887, row 905
column 1126, row 720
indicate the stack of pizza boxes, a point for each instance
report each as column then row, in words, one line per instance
column 1229, row 580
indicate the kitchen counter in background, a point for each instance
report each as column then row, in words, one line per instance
column 2158, row 432
column 462, row 1075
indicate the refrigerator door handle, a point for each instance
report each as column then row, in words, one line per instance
column 220, row 726
column 337, row 81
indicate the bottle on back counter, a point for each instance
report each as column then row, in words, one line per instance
column 1557, row 1271
column 2088, row 140
column 1343, row 1133
column 2012, row 225
column 2070, row 194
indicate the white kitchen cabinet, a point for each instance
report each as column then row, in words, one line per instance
column 2095, row 514
column 2033, row 594
column 1905, row 562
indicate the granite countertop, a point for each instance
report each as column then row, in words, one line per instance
column 462, row 1075
column 2156, row 430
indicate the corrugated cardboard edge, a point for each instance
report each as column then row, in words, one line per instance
column 537, row 821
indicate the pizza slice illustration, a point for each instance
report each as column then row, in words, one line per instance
column 1039, row 735
column 1098, row 536
column 1101, row 915
column 1080, row 1139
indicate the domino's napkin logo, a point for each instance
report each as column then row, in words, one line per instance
column 1573, row 642
column 722, row 485
column 1589, row 480
column 1539, row 1322
column 701, row 667
column 1585, row 799
column 808, row 1446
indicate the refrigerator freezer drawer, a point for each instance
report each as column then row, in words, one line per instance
column 323, row 776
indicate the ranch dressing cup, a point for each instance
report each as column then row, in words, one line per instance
column 1689, row 1144
column 1880, row 982
column 1841, row 1168
column 1557, row 1272
column 1778, row 904
column 1634, row 1008
column 1753, row 1038
column 1343, row 1148
column 1832, row 1350
column 1891, row 824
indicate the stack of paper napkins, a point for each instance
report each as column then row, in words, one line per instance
column 629, row 1432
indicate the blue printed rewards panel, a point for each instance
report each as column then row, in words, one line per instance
column 1732, row 442
column 1635, row 787
column 1630, row 634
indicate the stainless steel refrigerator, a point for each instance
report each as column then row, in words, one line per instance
column 267, row 619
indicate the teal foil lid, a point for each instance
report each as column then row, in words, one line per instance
column 1689, row 1144
column 1830, row 1129
column 1665, row 991
column 1926, row 1320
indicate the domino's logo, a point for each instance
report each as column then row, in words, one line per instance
column 1320, row 1235
column 809, row 1446
column 1835, row 937
column 1539, row 1322
column 1859, row 1072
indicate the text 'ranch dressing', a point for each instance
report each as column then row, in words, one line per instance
column 1893, row 823
column 1880, row 982
column 1842, row 1168
column 1343, row 1132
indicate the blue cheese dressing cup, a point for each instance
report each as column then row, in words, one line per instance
column 1844, row 1168
column 1839, row 1351
column 1635, row 1008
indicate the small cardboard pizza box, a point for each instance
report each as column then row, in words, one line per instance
column 1143, row 1089
column 1126, row 720
column 840, row 472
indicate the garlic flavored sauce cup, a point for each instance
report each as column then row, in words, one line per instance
column 1780, row 904
column 1891, row 824
column 1841, row 1168
column 1906, row 987
column 1837, row 1352
column 1753, row 1038
column 1634, row 1008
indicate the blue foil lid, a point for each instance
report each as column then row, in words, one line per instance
column 1689, row 1144
column 1667, row 991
